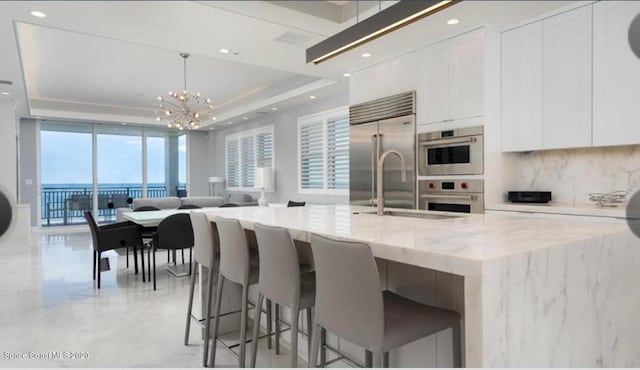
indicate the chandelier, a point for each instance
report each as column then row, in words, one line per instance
column 184, row 109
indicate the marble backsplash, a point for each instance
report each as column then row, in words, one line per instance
column 574, row 173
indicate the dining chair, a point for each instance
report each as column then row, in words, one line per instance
column 173, row 233
column 292, row 203
column 113, row 236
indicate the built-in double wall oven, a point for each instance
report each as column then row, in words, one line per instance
column 451, row 156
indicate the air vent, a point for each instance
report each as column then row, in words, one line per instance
column 291, row 38
column 392, row 106
column 5, row 82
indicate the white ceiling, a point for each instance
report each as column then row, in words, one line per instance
column 108, row 60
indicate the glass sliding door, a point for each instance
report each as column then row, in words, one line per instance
column 158, row 167
column 66, row 173
column 119, row 169
column 116, row 163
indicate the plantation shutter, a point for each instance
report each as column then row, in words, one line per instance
column 248, row 162
column 233, row 164
column 338, row 153
column 311, row 156
column 265, row 149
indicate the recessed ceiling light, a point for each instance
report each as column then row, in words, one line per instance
column 5, row 93
column 228, row 123
column 210, row 128
column 312, row 96
column 347, row 74
column 213, row 118
column 245, row 117
column 453, row 21
column 365, row 55
column 224, row 51
column 39, row 14
column 274, row 108
column 124, row 123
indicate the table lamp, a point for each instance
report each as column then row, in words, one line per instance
column 264, row 181
column 213, row 181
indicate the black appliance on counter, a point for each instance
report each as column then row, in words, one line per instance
column 529, row 196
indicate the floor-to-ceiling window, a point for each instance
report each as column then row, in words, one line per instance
column 118, row 163
column 66, row 173
column 119, row 168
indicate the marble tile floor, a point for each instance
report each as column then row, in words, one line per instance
column 48, row 303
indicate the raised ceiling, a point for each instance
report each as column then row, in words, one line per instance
column 108, row 61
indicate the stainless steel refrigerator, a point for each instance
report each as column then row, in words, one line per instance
column 368, row 140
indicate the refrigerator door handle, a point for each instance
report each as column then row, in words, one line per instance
column 374, row 150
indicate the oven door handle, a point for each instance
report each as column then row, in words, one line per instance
column 445, row 196
column 448, row 141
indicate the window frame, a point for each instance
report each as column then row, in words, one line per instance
column 253, row 133
column 321, row 118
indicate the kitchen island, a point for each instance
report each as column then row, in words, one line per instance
column 533, row 292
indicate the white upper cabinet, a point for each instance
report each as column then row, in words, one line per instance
column 616, row 79
column 435, row 94
column 453, row 79
column 466, row 76
column 546, row 83
column 522, row 88
column 566, row 103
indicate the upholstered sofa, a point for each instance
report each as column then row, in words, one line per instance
column 175, row 202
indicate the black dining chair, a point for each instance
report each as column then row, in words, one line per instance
column 189, row 206
column 147, row 232
column 228, row 205
column 173, row 233
column 292, row 203
column 114, row 236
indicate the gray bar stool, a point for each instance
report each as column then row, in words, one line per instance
column 351, row 304
column 282, row 282
column 235, row 265
column 204, row 255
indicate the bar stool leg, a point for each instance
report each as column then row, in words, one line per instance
column 277, row 329
column 95, row 257
column 315, row 343
column 256, row 331
column 457, row 345
column 243, row 326
column 187, row 326
column 385, row 360
column 269, row 327
column 216, row 322
column 295, row 317
column 378, row 359
column 323, row 350
column 309, row 325
column 368, row 359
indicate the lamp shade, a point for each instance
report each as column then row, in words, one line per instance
column 264, row 178
column 216, row 180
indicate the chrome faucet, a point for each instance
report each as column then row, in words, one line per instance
column 403, row 168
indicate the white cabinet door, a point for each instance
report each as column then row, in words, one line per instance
column 616, row 80
column 522, row 88
column 466, row 76
column 566, row 107
column 435, row 97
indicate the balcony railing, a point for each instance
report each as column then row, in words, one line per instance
column 65, row 205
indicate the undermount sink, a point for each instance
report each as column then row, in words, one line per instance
column 429, row 216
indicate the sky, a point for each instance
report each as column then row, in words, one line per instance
column 66, row 158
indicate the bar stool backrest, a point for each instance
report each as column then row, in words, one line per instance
column 348, row 294
column 204, row 239
column 234, row 250
column 279, row 265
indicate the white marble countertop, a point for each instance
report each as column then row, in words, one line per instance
column 455, row 245
column 582, row 209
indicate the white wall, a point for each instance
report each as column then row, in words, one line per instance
column 8, row 154
column 285, row 147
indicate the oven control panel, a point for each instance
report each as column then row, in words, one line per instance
column 451, row 186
